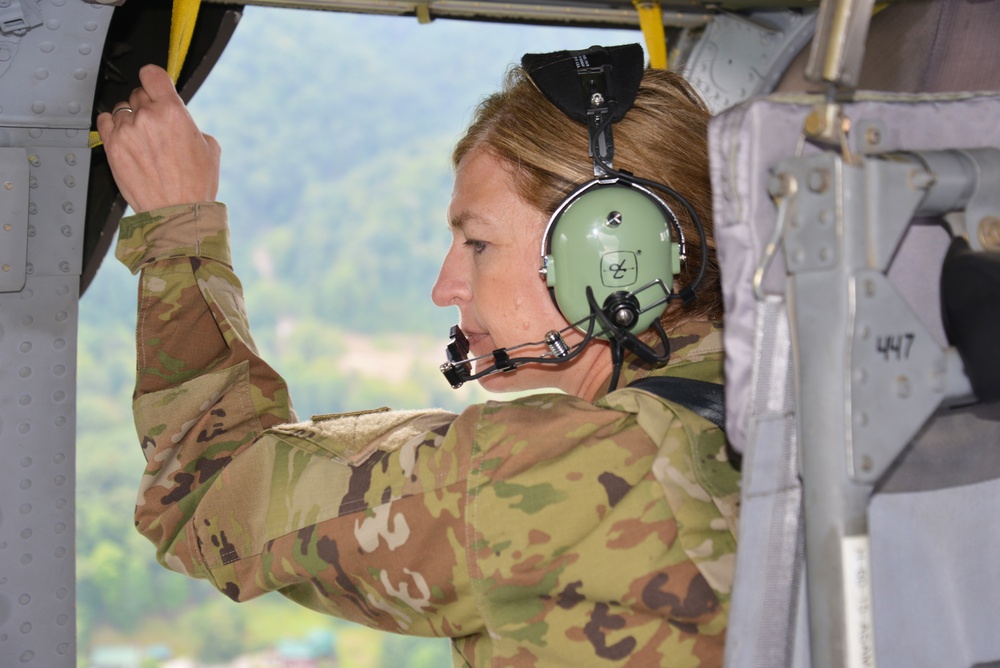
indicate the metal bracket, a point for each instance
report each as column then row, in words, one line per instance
column 899, row 376
column 740, row 56
column 19, row 16
column 813, row 219
column 853, row 217
column 13, row 218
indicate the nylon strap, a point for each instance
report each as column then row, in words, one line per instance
column 182, row 21
column 651, row 23
column 701, row 397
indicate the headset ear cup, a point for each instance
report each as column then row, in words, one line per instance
column 615, row 237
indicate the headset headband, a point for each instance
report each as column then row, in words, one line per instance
column 595, row 87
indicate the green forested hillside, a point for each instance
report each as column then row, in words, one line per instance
column 336, row 134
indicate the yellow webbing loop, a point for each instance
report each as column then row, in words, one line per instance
column 182, row 21
column 185, row 15
column 651, row 22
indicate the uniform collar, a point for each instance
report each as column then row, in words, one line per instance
column 692, row 342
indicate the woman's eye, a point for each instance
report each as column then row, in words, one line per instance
column 476, row 245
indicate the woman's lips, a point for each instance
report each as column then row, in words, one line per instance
column 475, row 340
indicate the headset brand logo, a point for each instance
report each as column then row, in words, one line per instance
column 618, row 269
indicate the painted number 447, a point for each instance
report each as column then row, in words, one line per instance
column 895, row 346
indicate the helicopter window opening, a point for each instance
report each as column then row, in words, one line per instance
column 337, row 132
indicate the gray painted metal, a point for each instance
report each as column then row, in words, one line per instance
column 47, row 77
column 847, row 316
column 744, row 56
column 14, row 217
column 926, row 575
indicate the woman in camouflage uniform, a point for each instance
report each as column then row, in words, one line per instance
column 581, row 528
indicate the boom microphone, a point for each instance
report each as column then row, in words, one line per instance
column 615, row 318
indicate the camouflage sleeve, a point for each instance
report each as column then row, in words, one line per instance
column 202, row 393
column 354, row 515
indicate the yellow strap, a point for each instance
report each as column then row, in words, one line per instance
column 182, row 21
column 185, row 15
column 651, row 22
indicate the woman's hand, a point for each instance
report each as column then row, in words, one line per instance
column 157, row 154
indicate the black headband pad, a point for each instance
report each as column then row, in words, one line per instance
column 556, row 75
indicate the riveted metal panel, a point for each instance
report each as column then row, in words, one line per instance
column 47, row 77
column 37, row 429
column 13, row 218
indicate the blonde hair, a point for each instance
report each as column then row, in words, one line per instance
column 663, row 138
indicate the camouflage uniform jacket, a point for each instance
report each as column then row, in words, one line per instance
column 545, row 531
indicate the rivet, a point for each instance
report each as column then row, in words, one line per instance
column 989, row 232
column 33, row 159
column 7, row 227
column 8, row 185
column 815, row 124
column 6, row 267
column 867, row 464
column 69, row 181
column 819, row 180
column 70, row 158
column 903, row 387
column 67, row 207
column 873, row 136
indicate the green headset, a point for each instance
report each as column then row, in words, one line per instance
column 613, row 246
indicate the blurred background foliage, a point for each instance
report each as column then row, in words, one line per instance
column 336, row 132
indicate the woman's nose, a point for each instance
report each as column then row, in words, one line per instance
column 451, row 286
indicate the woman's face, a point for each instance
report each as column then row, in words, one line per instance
column 491, row 274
